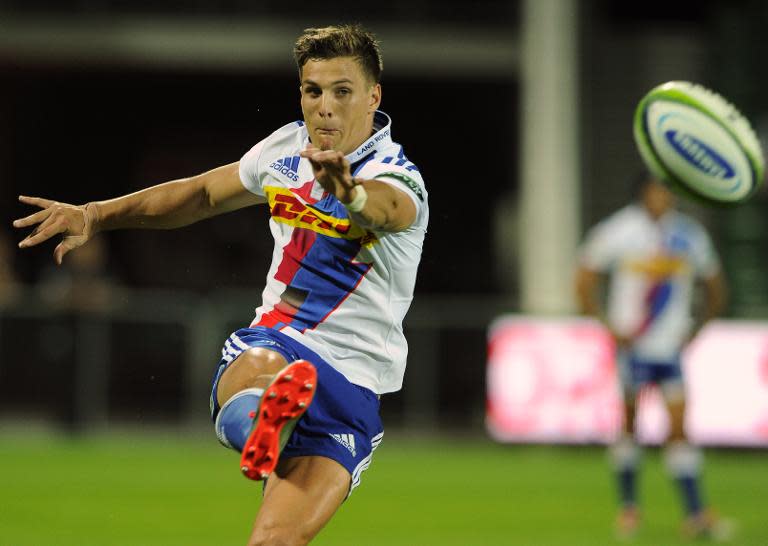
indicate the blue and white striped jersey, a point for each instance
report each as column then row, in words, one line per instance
column 338, row 289
column 653, row 265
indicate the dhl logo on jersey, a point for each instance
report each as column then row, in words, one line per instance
column 286, row 208
column 659, row 267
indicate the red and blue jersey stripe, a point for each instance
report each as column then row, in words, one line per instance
column 318, row 266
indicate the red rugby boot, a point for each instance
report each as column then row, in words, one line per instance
column 285, row 400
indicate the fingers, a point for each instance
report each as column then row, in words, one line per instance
column 55, row 218
column 332, row 171
column 69, row 243
column 322, row 157
column 32, row 219
column 327, row 157
column 309, row 150
column 59, row 251
column 43, row 232
column 315, row 165
column 37, row 217
column 308, row 153
column 330, row 163
column 36, row 201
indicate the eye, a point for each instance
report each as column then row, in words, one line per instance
column 343, row 91
column 312, row 90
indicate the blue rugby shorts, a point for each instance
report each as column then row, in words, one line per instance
column 342, row 423
column 635, row 372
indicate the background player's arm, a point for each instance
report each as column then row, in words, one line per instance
column 715, row 299
column 165, row 206
column 588, row 283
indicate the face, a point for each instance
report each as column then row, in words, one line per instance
column 338, row 102
column 657, row 199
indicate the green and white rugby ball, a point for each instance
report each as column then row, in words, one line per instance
column 698, row 143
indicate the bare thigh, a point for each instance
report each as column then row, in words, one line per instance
column 676, row 409
column 253, row 368
column 300, row 498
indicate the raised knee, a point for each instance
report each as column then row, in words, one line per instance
column 262, row 361
column 253, row 368
column 279, row 536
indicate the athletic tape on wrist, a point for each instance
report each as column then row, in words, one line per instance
column 358, row 203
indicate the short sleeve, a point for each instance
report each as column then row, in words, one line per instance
column 249, row 169
column 598, row 250
column 409, row 182
column 705, row 258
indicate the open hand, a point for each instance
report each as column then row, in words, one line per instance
column 74, row 222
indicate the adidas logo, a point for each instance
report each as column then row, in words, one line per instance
column 347, row 440
column 288, row 166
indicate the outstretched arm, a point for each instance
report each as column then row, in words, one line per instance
column 381, row 207
column 165, row 206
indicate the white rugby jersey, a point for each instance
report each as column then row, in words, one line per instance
column 653, row 265
column 338, row 289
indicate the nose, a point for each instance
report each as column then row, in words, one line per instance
column 325, row 106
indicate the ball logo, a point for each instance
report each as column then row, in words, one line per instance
column 699, row 154
column 697, row 142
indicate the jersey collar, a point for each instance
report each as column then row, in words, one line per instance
column 665, row 218
column 381, row 137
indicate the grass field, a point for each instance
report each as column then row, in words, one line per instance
column 166, row 491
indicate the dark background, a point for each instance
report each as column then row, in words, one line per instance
column 77, row 134
column 105, row 132
column 86, row 129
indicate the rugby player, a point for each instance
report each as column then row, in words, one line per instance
column 654, row 254
column 297, row 391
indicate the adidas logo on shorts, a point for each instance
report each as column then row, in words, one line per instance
column 347, row 440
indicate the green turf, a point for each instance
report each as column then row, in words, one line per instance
column 163, row 491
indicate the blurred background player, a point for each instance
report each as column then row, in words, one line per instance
column 653, row 255
column 348, row 215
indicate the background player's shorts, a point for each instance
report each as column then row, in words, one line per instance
column 635, row 373
column 342, row 422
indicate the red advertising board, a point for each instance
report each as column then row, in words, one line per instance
column 554, row 380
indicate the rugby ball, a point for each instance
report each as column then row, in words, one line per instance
column 698, row 143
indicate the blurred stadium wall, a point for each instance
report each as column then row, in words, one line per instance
column 100, row 98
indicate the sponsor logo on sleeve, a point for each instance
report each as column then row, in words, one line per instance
column 406, row 180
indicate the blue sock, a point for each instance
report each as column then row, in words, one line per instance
column 627, row 489
column 689, row 488
column 235, row 419
column 625, row 454
column 684, row 464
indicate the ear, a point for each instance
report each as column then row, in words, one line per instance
column 375, row 98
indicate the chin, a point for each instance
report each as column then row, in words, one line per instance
column 325, row 146
column 328, row 144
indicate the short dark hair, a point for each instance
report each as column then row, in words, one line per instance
column 340, row 41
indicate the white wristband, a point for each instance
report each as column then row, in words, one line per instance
column 358, row 203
